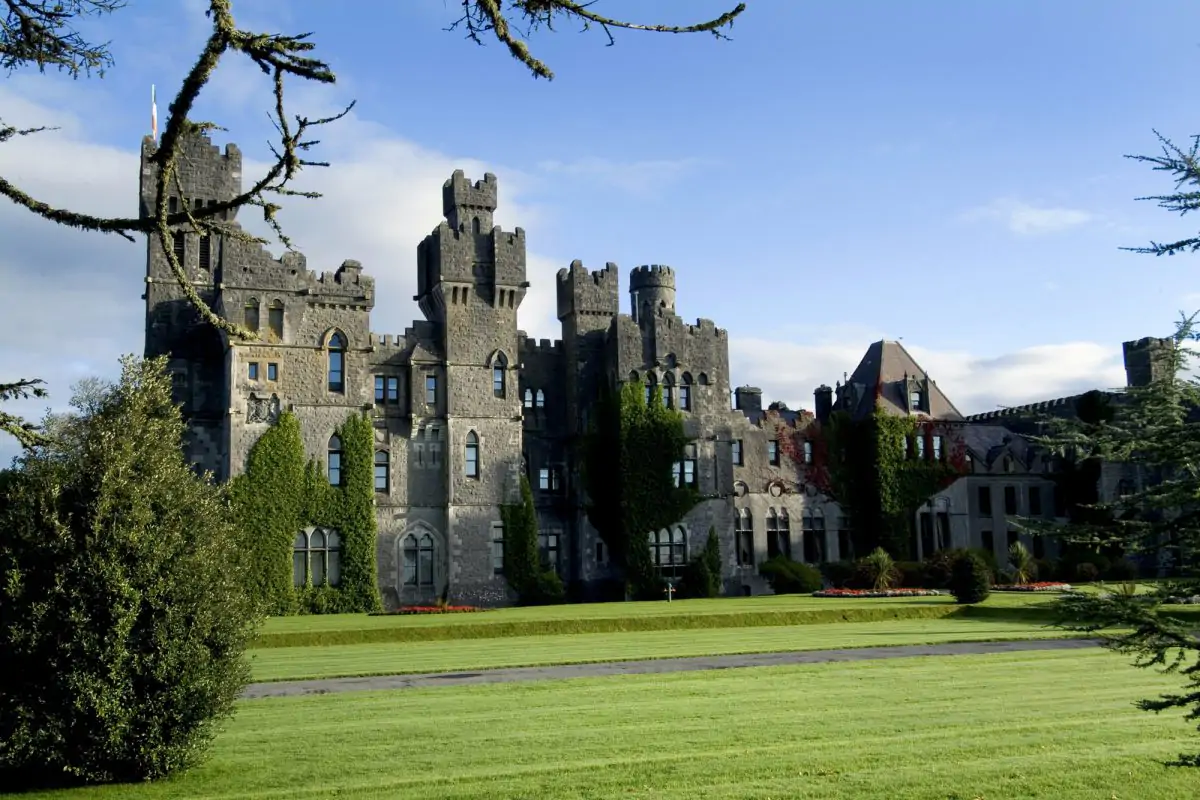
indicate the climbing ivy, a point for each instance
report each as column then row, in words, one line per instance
column 629, row 455
column 523, row 568
column 280, row 494
column 870, row 467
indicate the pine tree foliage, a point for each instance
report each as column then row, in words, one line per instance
column 123, row 614
column 43, row 33
column 1154, row 428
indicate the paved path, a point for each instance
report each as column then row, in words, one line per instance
column 653, row 666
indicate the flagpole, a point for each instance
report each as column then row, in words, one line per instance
column 153, row 114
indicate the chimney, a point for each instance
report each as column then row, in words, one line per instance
column 747, row 399
column 823, row 402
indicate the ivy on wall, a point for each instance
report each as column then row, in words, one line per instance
column 281, row 493
column 534, row 584
column 629, row 455
column 872, row 468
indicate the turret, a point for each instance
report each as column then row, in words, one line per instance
column 589, row 299
column 651, row 288
column 469, row 205
column 1147, row 360
column 823, row 402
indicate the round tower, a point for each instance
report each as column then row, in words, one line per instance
column 651, row 288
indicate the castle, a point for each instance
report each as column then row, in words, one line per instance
column 464, row 402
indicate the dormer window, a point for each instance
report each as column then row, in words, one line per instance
column 914, row 400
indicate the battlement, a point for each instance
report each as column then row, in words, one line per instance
column 706, row 327
column 459, row 193
column 347, row 281
column 536, row 347
column 389, row 341
column 205, row 174
column 651, row 276
column 1029, row 408
column 584, row 292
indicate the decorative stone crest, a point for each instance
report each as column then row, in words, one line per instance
column 262, row 409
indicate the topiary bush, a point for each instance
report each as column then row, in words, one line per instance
column 791, row 577
column 912, row 574
column 838, row 574
column 124, row 612
column 970, row 579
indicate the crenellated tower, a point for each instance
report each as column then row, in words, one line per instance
column 651, row 288
column 195, row 350
column 470, row 284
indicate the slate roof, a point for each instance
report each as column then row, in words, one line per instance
column 886, row 365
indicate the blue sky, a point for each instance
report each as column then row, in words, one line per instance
column 943, row 172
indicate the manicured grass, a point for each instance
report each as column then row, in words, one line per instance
column 343, row 629
column 1047, row 725
column 337, row 661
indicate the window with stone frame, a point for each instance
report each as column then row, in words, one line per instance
column 919, row 441
column 499, row 375
column 252, row 370
column 272, row 371
column 417, row 557
column 497, row 548
column 685, row 470
column 250, row 315
column 333, row 463
column 1035, row 501
column 668, row 547
column 527, row 399
column 813, row 533
column 736, row 451
column 471, row 456
column 382, row 471
column 773, row 452
column 743, row 535
column 549, row 479
column 1010, row 500
column 431, row 390
column 778, row 534
column 336, row 350
column 984, row 496
column 539, row 399
column 685, row 392
column 316, row 558
column 548, row 549
column 668, row 382
column 179, row 247
column 937, row 447
column 275, row 319
column 808, row 452
column 204, row 254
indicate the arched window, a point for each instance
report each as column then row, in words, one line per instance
column 650, row 382
column 540, row 402
column 334, row 462
column 703, row 379
column 685, row 392
column 337, row 362
column 275, row 318
column 471, row 462
column 317, row 558
column 382, row 470
column 418, row 560
column 668, row 547
column 528, row 400
column 475, row 226
column 499, row 375
column 251, row 315
column 668, row 382
column 814, row 535
column 785, row 533
column 744, row 538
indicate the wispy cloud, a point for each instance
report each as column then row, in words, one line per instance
column 1025, row 219
column 635, row 177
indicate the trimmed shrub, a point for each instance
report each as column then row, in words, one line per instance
column 1046, row 569
column 791, row 577
column 912, row 574
column 838, row 574
column 970, row 579
column 124, row 613
column 547, row 590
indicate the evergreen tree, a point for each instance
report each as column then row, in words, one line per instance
column 123, row 617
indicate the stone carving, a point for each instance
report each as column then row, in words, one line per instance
column 262, row 409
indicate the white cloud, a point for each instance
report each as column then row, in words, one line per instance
column 71, row 302
column 789, row 372
column 638, row 177
column 1027, row 220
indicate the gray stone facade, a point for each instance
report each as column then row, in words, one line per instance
column 464, row 401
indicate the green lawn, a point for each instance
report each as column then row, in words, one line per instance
column 1055, row 725
column 292, row 663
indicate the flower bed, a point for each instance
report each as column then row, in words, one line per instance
column 873, row 593
column 1044, row 586
column 436, row 610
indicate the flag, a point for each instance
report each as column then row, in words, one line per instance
column 153, row 114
